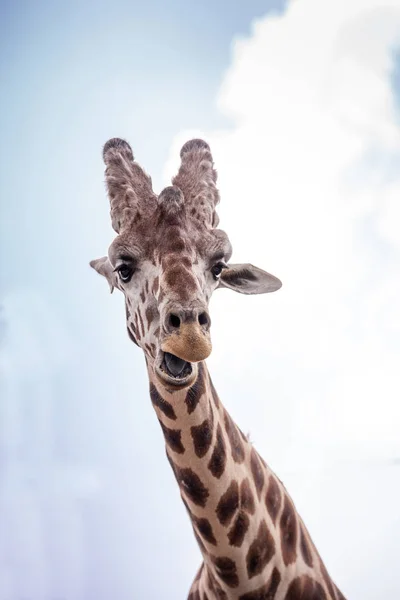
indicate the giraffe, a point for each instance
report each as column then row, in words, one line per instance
column 167, row 259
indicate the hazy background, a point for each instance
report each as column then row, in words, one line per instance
column 300, row 103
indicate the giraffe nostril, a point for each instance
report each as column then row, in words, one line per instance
column 174, row 321
column 204, row 319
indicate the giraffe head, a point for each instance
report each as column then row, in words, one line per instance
column 169, row 257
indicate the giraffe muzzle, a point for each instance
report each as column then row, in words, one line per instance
column 180, row 352
column 191, row 343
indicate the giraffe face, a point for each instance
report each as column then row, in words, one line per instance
column 167, row 261
column 167, row 270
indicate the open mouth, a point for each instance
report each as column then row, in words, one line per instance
column 174, row 370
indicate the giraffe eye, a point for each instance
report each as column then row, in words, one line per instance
column 216, row 270
column 125, row 272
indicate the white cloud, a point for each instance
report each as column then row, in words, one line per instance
column 309, row 192
column 306, row 194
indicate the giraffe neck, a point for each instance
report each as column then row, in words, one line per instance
column 253, row 543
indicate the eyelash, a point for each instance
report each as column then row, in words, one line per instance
column 217, row 269
column 129, row 271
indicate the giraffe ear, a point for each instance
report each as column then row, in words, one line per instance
column 248, row 279
column 104, row 267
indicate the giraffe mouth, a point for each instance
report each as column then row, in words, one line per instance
column 174, row 370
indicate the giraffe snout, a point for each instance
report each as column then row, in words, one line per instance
column 187, row 333
column 176, row 318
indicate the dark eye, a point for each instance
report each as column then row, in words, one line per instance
column 216, row 270
column 125, row 272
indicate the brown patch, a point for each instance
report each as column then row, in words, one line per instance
column 305, row 588
column 182, row 498
column 226, row 569
column 237, row 448
column 146, row 287
column 260, row 552
column 228, row 504
column 185, row 261
column 192, row 485
column 139, row 335
column 195, row 595
column 151, row 314
column 257, row 471
column 141, row 322
column 239, row 529
column 214, row 393
column 263, row 462
column 205, row 530
column 151, row 350
column 288, row 525
column 127, row 312
column 273, row 498
column 131, row 336
column 179, row 277
column 267, row 591
column 327, row 579
column 200, row 542
column 246, row 497
column 142, row 296
column 177, row 245
column 214, row 586
column 173, row 438
column 158, row 401
column 218, row 458
column 134, row 328
column 173, row 231
column 202, row 437
column 155, row 285
column 196, row 391
column 305, row 548
column 170, row 259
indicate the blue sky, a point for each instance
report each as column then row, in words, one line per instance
column 73, row 75
column 302, row 117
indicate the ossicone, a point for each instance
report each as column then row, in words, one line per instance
column 193, row 146
column 119, row 145
column 129, row 187
column 171, row 195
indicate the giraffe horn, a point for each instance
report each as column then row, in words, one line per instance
column 197, row 179
column 129, row 187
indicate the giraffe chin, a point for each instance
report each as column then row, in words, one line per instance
column 173, row 372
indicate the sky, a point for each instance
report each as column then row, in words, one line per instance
column 300, row 104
